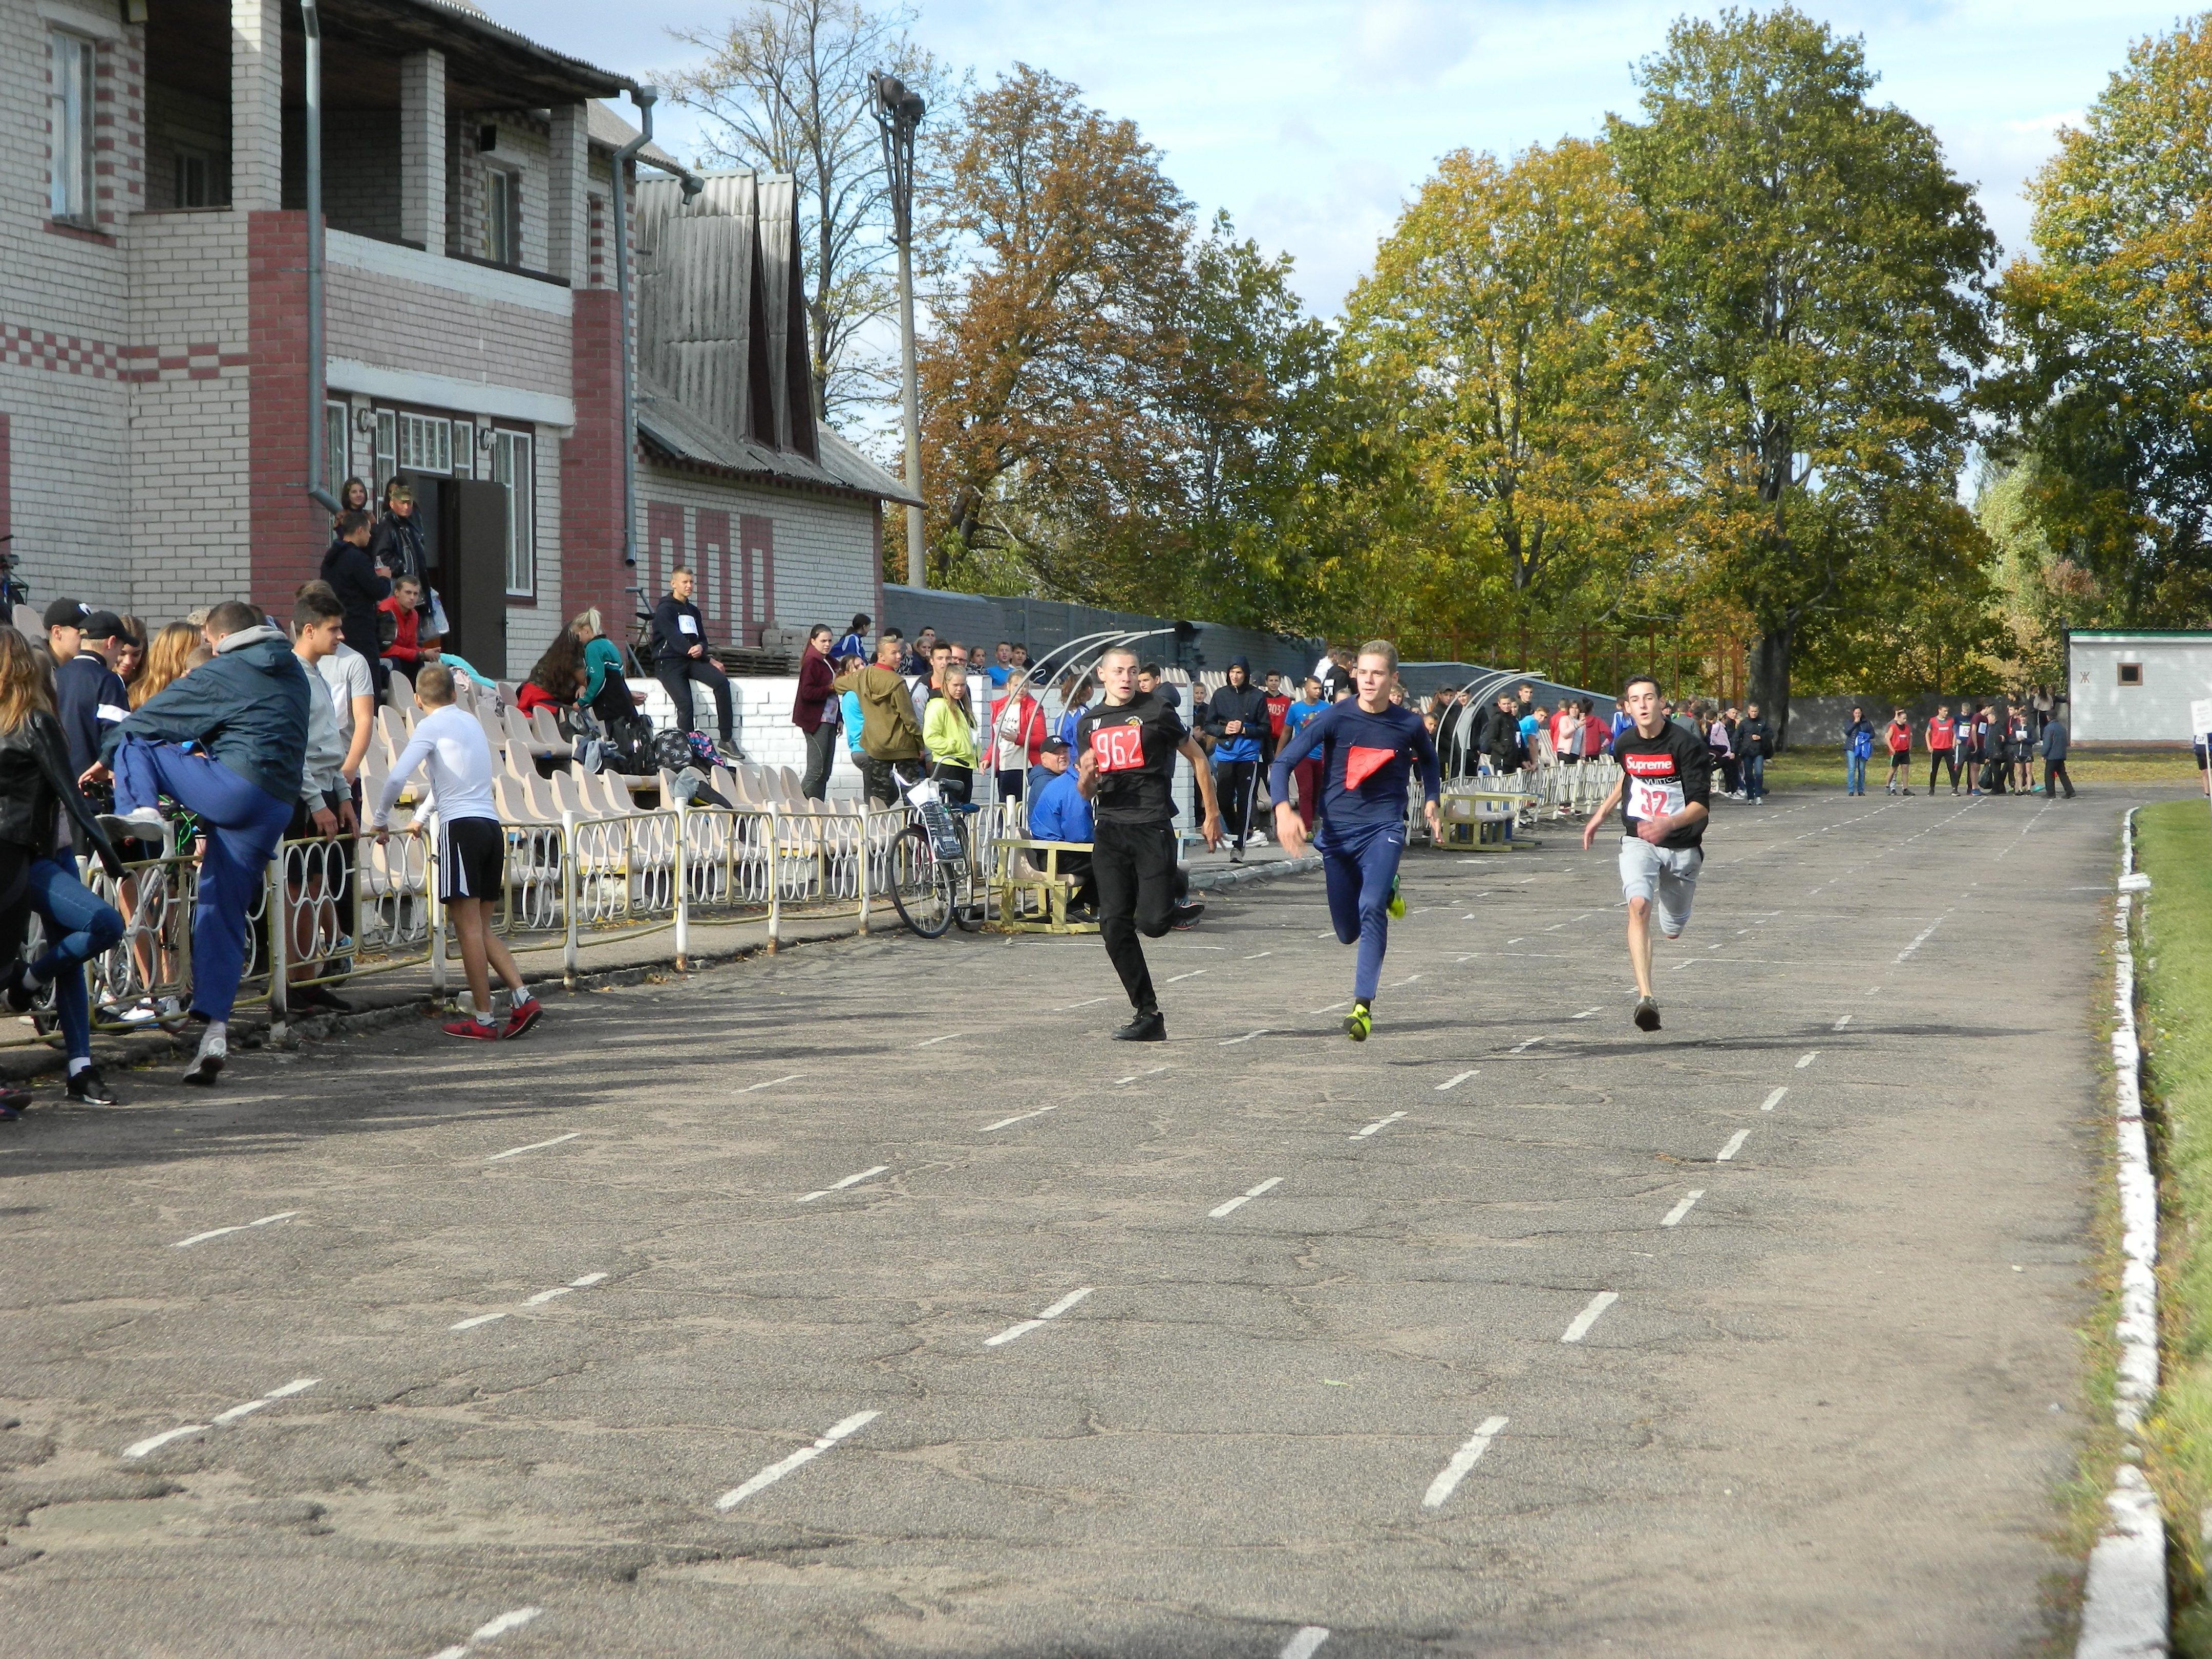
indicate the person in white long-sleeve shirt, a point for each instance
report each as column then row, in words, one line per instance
column 472, row 848
column 326, row 801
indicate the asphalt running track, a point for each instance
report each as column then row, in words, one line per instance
column 867, row 1300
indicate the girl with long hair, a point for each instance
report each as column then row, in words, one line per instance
column 38, row 871
column 556, row 681
column 169, row 654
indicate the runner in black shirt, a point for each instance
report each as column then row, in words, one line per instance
column 1665, row 795
column 1128, row 744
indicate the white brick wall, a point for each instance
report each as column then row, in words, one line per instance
column 396, row 322
column 825, row 562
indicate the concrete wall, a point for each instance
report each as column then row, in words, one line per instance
column 2176, row 669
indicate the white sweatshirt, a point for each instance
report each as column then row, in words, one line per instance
column 459, row 757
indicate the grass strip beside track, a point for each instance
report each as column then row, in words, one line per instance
column 2173, row 957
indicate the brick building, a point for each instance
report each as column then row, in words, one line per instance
column 154, row 392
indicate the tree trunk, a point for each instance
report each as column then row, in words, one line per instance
column 1770, row 680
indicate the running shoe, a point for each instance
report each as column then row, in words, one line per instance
column 86, row 1088
column 1186, row 916
column 1144, row 1027
column 22, row 991
column 140, row 824
column 1397, row 905
column 1647, row 1014
column 475, row 1029
column 523, row 1016
column 1359, row 1023
column 207, row 1063
column 12, row 1103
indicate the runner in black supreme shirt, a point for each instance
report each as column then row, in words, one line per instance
column 1128, row 744
column 1666, row 775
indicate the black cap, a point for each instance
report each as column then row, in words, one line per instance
column 66, row 613
column 103, row 625
column 1052, row 746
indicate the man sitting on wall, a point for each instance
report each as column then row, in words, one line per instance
column 679, row 656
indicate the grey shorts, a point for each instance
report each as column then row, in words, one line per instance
column 1664, row 877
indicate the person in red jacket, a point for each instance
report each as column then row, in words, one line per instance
column 1943, row 748
column 1899, row 738
column 407, row 652
column 1019, row 725
column 815, row 712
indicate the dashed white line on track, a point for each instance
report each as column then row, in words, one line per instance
column 1774, row 1099
column 1256, row 955
column 1589, row 1316
column 1925, row 932
column 851, row 1180
column 1518, row 1046
column 1243, row 1198
column 1587, row 1013
column 217, row 1232
column 1019, row 1117
column 1332, row 1007
column 1306, row 1642
column 755, row 1088
column 1464, row 1459
column 1809, row 1059
column 1840, row 1024
column 1231, row 1043
column 1454, row 1082
column 1734, row 1146
column 1379, row 1123
column 1029, row 1325
column 930, row 1042
column 1408, row 980
column 775, row 1472
column 1086, row 1003
column 1193, row 974
column 535, row 1146
column 538, row 1300
column 484, row 1632
column 1137, row 1076
column 1673, row 1217
column 139, row 1448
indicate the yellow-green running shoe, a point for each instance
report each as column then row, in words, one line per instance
column 1397, row 906
column 1359, row 1023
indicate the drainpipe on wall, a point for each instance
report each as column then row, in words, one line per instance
column 644, row 98
column 312, row 26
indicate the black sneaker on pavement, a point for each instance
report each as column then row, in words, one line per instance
column 1186, row 916
column 1647, row 1014
column 86, row 1088
column 1144, row 1027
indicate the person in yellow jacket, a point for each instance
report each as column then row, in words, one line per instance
column 948, row 730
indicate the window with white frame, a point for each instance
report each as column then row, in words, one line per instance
column 465, row 449
column 195, row 178
column 502, row 216
column 426, row 444
column 387, row 460
column 69, row 117
column 511, row 466
column 336, row 463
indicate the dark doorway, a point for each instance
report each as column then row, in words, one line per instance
column 472, row 530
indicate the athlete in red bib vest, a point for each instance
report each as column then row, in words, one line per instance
column 1665, row 795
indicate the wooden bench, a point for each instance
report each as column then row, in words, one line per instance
column 1029, row 900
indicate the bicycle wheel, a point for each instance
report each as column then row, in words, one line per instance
column 972, row 906
column 920, row 887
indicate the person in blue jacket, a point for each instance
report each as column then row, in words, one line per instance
column 1369, row 747
column 1858, row 745
column 1059, row 812
column 244, row 717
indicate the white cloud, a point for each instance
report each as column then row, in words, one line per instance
column 1400, row 43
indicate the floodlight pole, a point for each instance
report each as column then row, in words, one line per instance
column 898, row 114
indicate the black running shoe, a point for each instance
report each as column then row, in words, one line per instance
column 87, row 1089
column 1144, row 1027
column 1647, row 1014
column 1186, row 916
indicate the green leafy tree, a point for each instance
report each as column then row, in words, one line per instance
column 2110, row 337
column 1813, row 288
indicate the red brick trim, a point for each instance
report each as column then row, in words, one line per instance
column 287, row 529
column 75, row 233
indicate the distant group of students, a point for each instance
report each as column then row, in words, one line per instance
column 1992, row 749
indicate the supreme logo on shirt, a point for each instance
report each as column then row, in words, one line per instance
column 1649, row 766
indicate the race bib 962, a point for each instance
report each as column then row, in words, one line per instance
column 1117, row 748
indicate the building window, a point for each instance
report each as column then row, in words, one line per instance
column 2130, row 673
column 511, row 454
column 465, row 449
column 338, row 464
column 502, row 226
column 388, row 428
column 426, row 444
column 194, row 179
column 69, row 116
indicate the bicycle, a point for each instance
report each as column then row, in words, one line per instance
column 931, row 873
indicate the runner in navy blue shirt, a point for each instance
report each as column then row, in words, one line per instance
column 1368, row 747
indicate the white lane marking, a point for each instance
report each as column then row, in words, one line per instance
column 1086, row 1003
column 1674, row 1216
column 1306, row 1642
column 1679, row 966
column 1530, row 1043
column 775, row 1472
column 1517, row 941
column 1734, row 1146
column 1379, row 1123
column 1134, row 1075
column 1928, row 929
column 755, row 1088
column 538, row 1300
column 1243, row 1198
column 514, row 1620
column 930, row 1042
column 535, row 1146
column 547, row 1296
column 1587, row 1013
column 1871, row 989
column 1589, row 1316
column 840, row 1186
column 1840, row 1024
column 1231, row 1043
column 1395, row 984
column 1256, row 955
column 481, row 1319
column 140, row 1448
column 1332, row 1006
column 1193, row 974
column 1020, row 1117
column 1461, row 1460
column 217, row 1232
column 1454, row 1083
column 1809, row 1059
column 1029, row 1325
column 1774, row 1099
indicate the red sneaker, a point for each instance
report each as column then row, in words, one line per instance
column 470, row 1029
column 524, row 1016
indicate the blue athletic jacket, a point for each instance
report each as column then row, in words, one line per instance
column 247, row 709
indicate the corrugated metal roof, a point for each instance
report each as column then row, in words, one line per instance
column 663, row 423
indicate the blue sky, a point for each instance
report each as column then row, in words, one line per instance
column 1312, row 120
